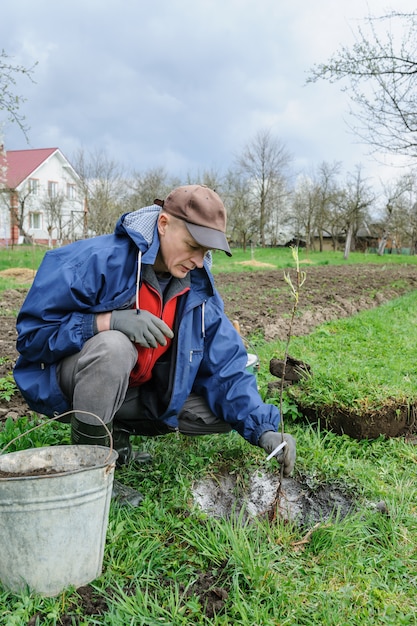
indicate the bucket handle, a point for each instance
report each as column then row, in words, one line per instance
column 57, row 417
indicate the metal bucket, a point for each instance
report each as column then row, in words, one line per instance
column 252, row 364
column 54, row 516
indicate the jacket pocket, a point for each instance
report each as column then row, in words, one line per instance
column 38, row 385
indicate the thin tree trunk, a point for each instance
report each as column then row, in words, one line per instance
column 348, row 242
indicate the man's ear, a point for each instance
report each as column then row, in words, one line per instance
column 163, row 220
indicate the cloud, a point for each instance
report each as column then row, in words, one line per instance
column 182, row 84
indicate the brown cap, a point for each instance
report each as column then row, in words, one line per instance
column 203, row 213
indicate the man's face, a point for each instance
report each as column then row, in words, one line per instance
column 179, row 252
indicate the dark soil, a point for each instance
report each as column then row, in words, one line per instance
column 211, row 594
column 10, row 303
column 42, row 471
column 262, row 302
column 87, row 603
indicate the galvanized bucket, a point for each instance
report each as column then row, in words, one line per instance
column 54, row 507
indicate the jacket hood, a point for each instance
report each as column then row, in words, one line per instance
column 140, row 226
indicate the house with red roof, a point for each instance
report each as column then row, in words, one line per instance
column 41, row 198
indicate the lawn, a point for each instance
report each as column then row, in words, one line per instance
column 171, row 562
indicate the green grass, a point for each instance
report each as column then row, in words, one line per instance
column 28, row 257
column 281, row 258
column 361, row 570
column 361, row 360
column 241, row 261
column 21, row 256
column 31, row 256
column 7, row 387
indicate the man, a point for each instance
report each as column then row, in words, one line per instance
column 130, row 328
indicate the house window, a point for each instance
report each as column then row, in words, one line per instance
column 34, row 186
column 70, row 191
column 35, row 221
column 52, row 189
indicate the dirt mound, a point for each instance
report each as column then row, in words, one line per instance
column 391, row 419
column 20, row 274
column 255, row 264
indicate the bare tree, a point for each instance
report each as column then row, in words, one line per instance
column 315, row 201
column 104, row 187
column 264, row 161
column 356, row 200
column 209, row 177
column 240, row 221
column 19, row 203
column 10, row 102
column 413, row 228
column 327, row 193
column 147, row 186
column 52, row 206
column 393, row 202
column 335, row 218
column 280, row 215
column 381, row 72
column 304, row 207
column 400, row 215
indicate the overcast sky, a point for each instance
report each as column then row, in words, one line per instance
column 184, row 84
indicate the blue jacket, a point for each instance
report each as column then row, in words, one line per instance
column 96, row 275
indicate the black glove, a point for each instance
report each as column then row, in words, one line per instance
column 270, row 440
column 141, row 327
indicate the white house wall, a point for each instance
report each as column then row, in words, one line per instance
column 4, row 219
column 55, row 169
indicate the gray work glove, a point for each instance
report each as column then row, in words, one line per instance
column 270, row 440
column 141, row 327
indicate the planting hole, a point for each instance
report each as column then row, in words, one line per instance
column 225, row 496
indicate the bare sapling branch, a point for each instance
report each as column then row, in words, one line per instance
column 295, row 287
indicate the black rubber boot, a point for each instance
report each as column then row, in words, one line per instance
column 89, row 434
column 123, row 494
column 121, row 443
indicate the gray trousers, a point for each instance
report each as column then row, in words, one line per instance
column 96, row 380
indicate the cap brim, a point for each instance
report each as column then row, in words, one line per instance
column 209, row 237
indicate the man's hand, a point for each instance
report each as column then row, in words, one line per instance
column 141, row 327
column 270, row 440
